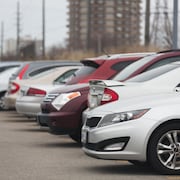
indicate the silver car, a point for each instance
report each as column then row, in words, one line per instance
column 29, row 70
column 142, row 130
column 33, row 90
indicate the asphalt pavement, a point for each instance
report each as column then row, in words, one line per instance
column 30, row 152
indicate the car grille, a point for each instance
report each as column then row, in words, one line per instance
column 92, row 122
column 45, row 110
column 50, row 97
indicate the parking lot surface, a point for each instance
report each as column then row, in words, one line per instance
column 30, row 152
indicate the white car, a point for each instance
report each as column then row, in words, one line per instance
column 27, row 71
column 33, row 90
column 162, row 79
column 4, row 80
column 143, row 129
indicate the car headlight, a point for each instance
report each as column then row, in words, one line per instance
column 62, row 99
column 121, row 117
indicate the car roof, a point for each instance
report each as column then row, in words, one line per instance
column 29, row 68
column 156, row 73
column 10, row 63
column 96, row 61
column 147, row 62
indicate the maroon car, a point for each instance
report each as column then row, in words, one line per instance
column 65, row 117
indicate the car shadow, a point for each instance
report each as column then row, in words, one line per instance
column 59, row 145
column 37, row 129
column 19, row 120
column 124, row 168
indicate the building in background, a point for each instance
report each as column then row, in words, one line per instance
column 10, row 47
column 29, row 48
column 100, row 24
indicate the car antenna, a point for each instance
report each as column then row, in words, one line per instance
column 106, row 53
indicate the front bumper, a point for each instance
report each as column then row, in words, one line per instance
column 131, row 136
column 59, row 122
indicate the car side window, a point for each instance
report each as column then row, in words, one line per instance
column 41, row 70
column 163, row 62
column 120, row 65
column 6, row 67
column 62, row 79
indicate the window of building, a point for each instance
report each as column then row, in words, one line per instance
column 119, row 14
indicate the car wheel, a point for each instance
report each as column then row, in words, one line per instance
column 76, row 136
column 164, row 149
column 2, row 105
column 138, row 163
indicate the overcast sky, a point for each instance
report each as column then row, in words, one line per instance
column 31, row 19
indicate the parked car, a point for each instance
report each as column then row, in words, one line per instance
column 161, row 79
column 31, row 68
column 6, row 69
column 4, row 79
column 143, row 130
column 65, row 116
column 33, row 90
column 92, row 67
column 148, row 63
column 27, row 70
column 4, row 65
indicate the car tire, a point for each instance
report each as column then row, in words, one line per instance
column 2, row 105
column 164, row 149
column 76, row 136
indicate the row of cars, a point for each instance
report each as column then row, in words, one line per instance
column 121, row 106
column 13, row 74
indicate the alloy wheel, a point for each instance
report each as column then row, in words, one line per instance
column 168, row 149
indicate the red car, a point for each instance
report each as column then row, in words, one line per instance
column 65, row 118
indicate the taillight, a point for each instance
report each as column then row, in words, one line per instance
column 36, row 92
column 109, row 96
column 14, row 87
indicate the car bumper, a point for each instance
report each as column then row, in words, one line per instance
column 59, row 123
column 128, row 139
column 9, row 101
column 29, row 106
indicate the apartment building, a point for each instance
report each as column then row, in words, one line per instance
column 99, row 24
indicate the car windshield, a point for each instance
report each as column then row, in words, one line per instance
column 126, row 72
column 153, row 73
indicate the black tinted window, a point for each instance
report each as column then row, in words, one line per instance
column 3, row 68
column 41, row 70
column 81, row 73
column 120, row 65
column 85, row 70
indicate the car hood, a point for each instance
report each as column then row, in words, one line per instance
column 138, row 102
